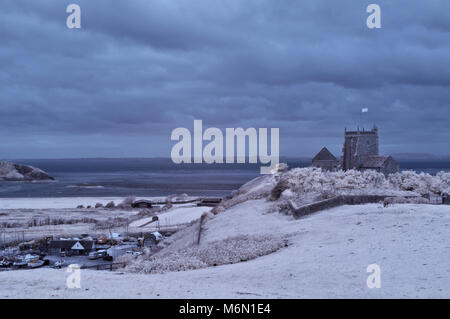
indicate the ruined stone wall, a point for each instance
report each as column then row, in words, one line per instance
column 334, row 202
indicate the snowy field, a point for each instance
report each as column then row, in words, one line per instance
column 327, row 257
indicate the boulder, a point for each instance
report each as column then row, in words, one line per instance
column 110, row 205
column 18, row 172
column 98, row 205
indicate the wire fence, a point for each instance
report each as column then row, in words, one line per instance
column 106, row 266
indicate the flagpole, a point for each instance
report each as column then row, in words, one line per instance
column 363, row 110
column 360, row 118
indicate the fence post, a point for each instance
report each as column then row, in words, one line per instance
column 202, row 219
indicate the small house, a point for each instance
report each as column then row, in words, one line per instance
column 119, row 250
column 325, row 160
column 72, row 247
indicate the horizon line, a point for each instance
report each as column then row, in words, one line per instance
column 400, row 156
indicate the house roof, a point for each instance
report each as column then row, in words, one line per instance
column 324, row 155
column 77, row 246
column 375, row 161
column 68, row 244
column 141, row 201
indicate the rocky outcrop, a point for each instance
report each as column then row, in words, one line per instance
column 18, row 172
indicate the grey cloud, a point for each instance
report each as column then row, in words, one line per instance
column 138, row 69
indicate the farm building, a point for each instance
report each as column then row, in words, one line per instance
column 74, row 247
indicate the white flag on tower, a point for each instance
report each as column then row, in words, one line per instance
column 365, row 110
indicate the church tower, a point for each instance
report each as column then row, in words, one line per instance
column 358, row 146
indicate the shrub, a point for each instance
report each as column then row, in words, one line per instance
column 309, row 180
column 227, row 251
column 128, row 201
column 110, row 205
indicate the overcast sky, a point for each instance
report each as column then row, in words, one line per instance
column 138, row 69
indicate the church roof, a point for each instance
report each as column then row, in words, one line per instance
column 324, row 155
column 375, row 161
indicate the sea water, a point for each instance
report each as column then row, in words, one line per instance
column 102, row 177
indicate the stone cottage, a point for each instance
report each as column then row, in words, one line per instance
column 325, row 160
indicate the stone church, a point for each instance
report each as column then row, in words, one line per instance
column 360, row 152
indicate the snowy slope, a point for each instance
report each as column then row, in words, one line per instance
column 327, row 257
column 177, row 215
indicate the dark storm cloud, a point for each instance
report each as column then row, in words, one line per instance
column 138, row 69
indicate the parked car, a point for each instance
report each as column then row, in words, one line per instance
column 19, row 263
column 134, row 253
column 36, row 263
column 31, row 257
column 4, row 263
column 97, row 254
column 158, row 237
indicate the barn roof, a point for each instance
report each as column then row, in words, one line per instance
column 375, row 161
column 324, row 155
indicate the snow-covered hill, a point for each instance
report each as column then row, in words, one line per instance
column 327, row 257
column 248, row 247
